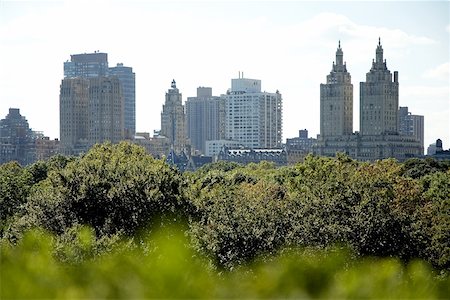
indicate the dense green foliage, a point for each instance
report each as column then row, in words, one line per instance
column 373, row 208
column 170, row 269
column 234, row 216
column 111, row 188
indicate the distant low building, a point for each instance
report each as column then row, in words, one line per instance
column 158, row 146
column 46, row 148
column 436, row 151
column 297, row 148
column 370, row 147
column 246, row 156
column 179, row 161
column 214, row 147
column 16, row 139
column 198, row 161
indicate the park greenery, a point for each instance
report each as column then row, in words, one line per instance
column 117, row 223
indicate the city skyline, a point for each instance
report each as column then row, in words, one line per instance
column 288, row 45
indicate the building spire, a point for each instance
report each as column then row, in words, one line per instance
column 174, row 84
column 379, row 53
column 339, row 55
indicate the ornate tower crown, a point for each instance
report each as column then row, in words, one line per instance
column 339, row 55
column 379, row 52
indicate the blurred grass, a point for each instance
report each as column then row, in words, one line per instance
column 164, row 266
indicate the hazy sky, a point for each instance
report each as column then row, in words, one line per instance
column 289, row 45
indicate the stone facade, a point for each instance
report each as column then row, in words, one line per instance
column 379, row 137
column 336, row 100
column 369, row 147
column 157, row 146
column 173, row 124
column 46, row 148
column 379, row 99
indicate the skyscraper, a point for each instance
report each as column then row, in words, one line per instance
column 106, row 105
column 205, row 116
column 86, row 65
column 379, row 99
column 252, row 117
column 73, row 115
column 173, row 119
column 128, row 81
column 336, row 100
column 91, row 111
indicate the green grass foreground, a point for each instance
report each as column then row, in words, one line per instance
column 162, row 265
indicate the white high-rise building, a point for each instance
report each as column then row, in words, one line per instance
column 253, row 118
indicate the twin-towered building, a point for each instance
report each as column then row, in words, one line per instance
column 381, row 134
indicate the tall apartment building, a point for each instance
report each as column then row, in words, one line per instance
column 205, row 118
column 379, row 99
column 106, row 106
column 411, row 125
column 127, row 79
column 253, row 118
column 16, row 139
column 73, row 115
column 173, row 119
column 86, row 65
column 91, row 111
column 336, row 100
column 91, row 65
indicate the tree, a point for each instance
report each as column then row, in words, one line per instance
column 111, row 188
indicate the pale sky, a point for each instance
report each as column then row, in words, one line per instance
column 289, row 45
